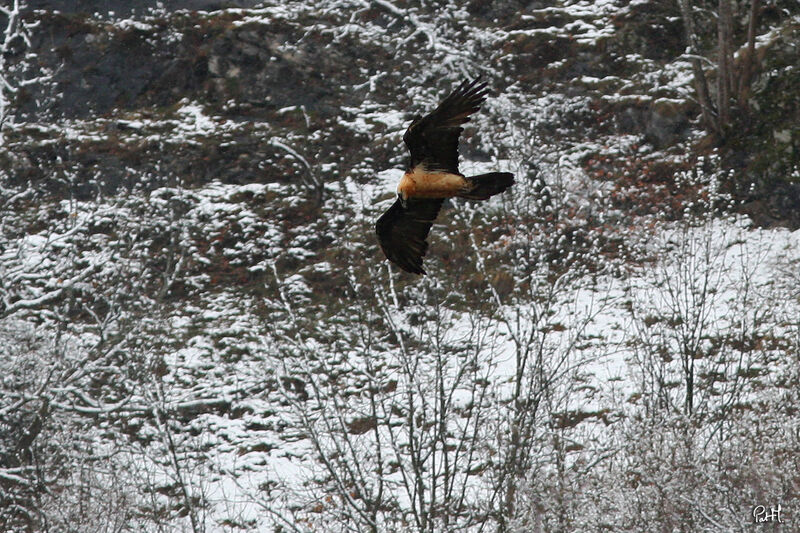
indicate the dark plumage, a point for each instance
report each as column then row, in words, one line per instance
column 402, row 231
column 433, row 139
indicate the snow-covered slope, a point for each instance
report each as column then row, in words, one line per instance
column 199, row 332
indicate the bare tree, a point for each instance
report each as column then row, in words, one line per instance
column 398, row 428
column 15, row 64
column 701, row 336
column 723, row 102
column 74, row 297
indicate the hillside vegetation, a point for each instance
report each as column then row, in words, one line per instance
column 199, row 332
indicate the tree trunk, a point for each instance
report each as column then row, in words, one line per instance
column 709, row 115
column 724, row 61
column 747, row 60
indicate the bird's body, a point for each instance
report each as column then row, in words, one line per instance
column 432, row 176
column 420, row 183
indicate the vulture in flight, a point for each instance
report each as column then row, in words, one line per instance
column 432, row 175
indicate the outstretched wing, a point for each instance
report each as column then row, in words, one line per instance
column 433, row 139
column 402, row 231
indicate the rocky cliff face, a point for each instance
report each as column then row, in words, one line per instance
column 248, row 69
column 198, row 330
column 621, row 64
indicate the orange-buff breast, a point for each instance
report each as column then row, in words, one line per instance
column 430, row 184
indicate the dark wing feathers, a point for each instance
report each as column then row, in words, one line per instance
column 433, row 139
column 402, row 231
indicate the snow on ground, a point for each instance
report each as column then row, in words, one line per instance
column 247, row 376
column 587, row 333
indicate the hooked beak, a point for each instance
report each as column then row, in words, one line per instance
column 403, row 200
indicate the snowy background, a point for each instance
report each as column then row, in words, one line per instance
column 198, row 331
